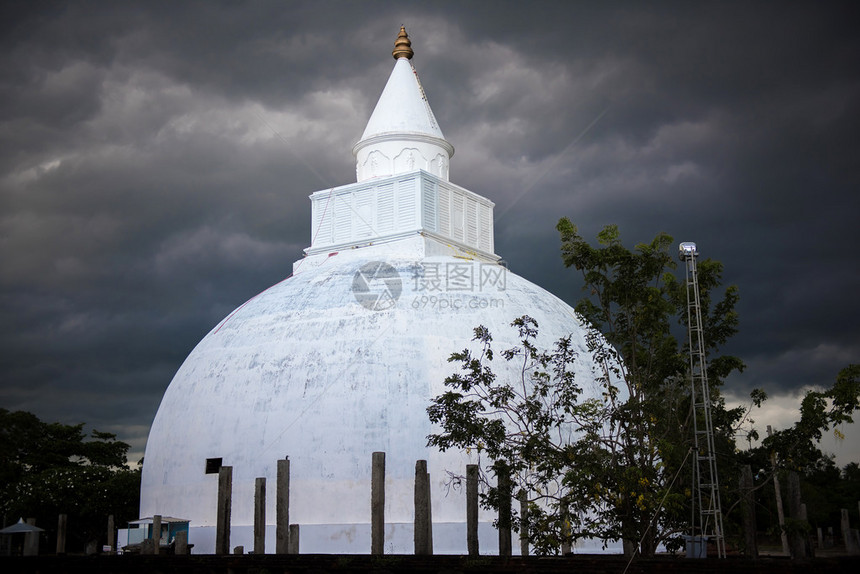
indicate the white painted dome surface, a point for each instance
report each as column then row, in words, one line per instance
column 303, row 370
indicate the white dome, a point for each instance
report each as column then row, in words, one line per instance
column 305, row 370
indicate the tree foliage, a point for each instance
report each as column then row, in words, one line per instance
column 536, row 427
column 637, row 302
column 820, row 410
column 600, row 467
column 616, row 466
column 47, row 469
column 825, row 488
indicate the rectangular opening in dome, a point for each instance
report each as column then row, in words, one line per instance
column 213, row 465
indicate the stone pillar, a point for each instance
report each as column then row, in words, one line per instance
column 181, row 548
column 294, row 539
column 820, row 538
column 565, row 530
column 282, row 508
column 777, row 491
column 796, row 540
column 260, row 515
column 239, row 550
column 472, row 509
column 156, row 533
column 503, row 484
column 524, row 523
column 111, row 534
column 146, row 546
column 421, row 502
column 377, row 503
column 748, row 512
column 225, row 499
column 429, row 514
column 31, row 540
column 62, row 522
column 807, row 542
column 847, row 538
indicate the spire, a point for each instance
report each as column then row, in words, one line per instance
column 402, row 134
column 402, row 46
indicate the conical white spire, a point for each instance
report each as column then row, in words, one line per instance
column 402, row 134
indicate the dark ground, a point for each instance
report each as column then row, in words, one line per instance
column 396, row 564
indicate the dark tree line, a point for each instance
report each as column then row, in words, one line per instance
column 51, row 468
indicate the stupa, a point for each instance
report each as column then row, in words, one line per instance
column 342, row 358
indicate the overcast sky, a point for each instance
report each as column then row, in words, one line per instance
column 156, row 160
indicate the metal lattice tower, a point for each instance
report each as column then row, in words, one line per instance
column 706, row 483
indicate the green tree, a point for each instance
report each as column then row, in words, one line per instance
column 50, row 468
column 600, row 468
column 820, row 410
column 825, row 489
column 637, row 303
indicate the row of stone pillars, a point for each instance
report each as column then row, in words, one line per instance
column 287, row 538
column 423, row 524
column 286, row 534
column 31, row 539
column 796, row 543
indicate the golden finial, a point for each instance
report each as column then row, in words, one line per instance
column 402, row 46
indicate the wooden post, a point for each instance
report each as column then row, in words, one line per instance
column 62, row 521
column 421, row 498
column 282, row 508
column 111, row 534
column 524, row 523
column 260, row 515
column 472, row 509
column 779, row 512
column 377, row 503
column 294, row 539
column 156, row 534
column 503, row 483
column 225, row 499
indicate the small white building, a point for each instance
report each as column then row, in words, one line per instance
column 342, row 358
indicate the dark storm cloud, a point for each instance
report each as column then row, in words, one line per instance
column 157, row 159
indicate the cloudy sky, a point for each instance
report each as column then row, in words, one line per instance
column 156, row 160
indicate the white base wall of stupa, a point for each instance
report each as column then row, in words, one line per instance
column 448, row 538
